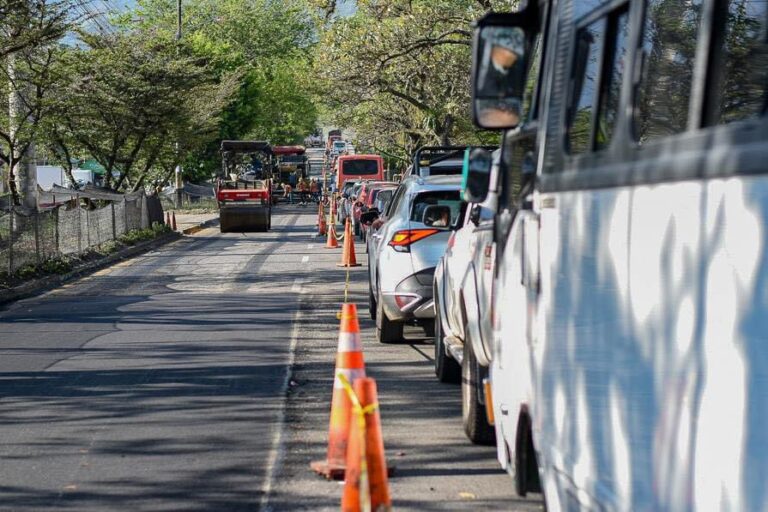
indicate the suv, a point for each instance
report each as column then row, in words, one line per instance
column 439, row 160
column 462, row 291
column 406, row 250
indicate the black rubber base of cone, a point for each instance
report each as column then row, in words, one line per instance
column 336, row 471
column 329, row 471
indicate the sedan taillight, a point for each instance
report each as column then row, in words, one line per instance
column 402, row 240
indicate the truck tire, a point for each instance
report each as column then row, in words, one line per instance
column 372, row 306
column 447, row 369
column 476, row 425
column 387, row 331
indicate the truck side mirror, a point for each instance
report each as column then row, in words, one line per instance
column 474, row 214
column 477, row 175
column 501, row 51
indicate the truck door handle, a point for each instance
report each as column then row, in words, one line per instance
column 504, row 410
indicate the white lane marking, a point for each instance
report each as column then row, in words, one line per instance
column 305, row 259
column 310, row 246
column 276, row 454
column 297, row 285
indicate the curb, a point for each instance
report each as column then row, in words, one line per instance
column 201, row 226
column 44, row 284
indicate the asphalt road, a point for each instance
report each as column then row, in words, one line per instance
column 198, row 377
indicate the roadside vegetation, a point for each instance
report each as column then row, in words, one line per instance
column 396, row 72
column 64, row 265
column 140, row 99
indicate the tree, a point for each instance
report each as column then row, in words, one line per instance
column 406, row 83
column 269, row 44
column 134, row 99
column 29, row 35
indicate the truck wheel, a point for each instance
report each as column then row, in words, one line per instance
column 472, row 409
column 372, row 306
column 447, row 369
column 387, row 331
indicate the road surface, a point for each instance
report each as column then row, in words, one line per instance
column 198, row 377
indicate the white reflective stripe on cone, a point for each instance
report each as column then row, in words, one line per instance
column 350, row 342
column 351, row 375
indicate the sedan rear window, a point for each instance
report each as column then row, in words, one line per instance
column 450, row 198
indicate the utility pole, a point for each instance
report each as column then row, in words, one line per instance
column 178, row 173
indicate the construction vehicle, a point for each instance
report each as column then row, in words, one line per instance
column 244, row 188
column 291, row 163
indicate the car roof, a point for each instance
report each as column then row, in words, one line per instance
column 439, row 182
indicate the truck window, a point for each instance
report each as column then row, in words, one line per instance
column 585, row 69
column 669, row 50
column 533, row 79
column 743, row 64
column 360, row 167
column 597, row 75
column 615, row 59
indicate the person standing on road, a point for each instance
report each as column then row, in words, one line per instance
column 288, row 193
column 302, row 192
column 313, row 189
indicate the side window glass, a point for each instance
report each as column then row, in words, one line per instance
column 669, row 50
column 585, row 79
column 533, row 78
column 392, row 208
column 615, row 60
column 744, row 61
column 519, row 160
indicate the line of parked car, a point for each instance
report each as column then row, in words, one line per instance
column 429, row 263
column 596, row 292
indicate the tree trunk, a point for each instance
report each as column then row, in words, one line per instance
column 22, row 168
column 445, row 130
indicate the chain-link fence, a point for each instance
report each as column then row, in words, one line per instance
column 193, row 197
column 32, row 238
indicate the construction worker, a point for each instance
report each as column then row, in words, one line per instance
column 314, row 190
column 303, row 189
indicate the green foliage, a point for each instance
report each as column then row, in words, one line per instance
column 140, row 235
column 397, row 72
column 268, row 44
column 56, row 266
column 137, row 102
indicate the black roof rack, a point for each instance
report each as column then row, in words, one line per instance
column 246, row 146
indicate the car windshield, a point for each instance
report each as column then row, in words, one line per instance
column 449, row 198
column 360, row 167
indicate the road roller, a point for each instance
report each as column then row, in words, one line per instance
column 244, row 187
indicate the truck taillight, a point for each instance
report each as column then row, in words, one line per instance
column 402, row 240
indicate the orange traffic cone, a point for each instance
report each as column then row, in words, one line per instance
column 366, row 486
column 331, row 242
column 173, row 221
column 349, row 362
column 348, row 258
